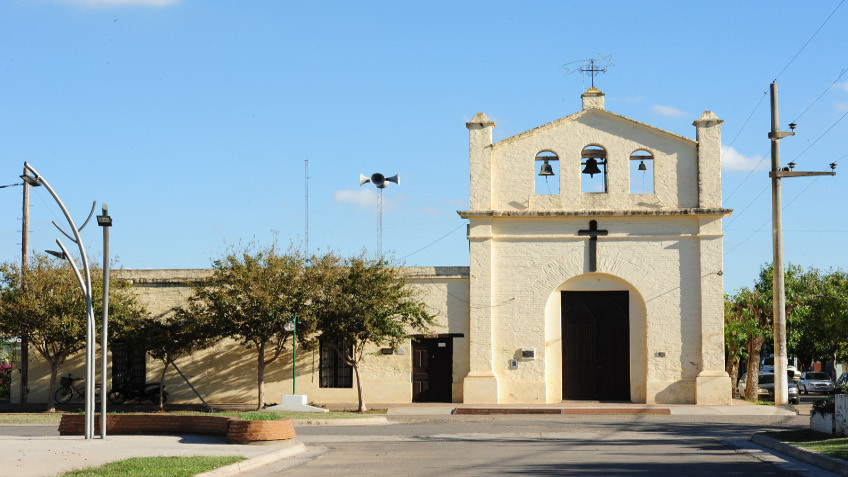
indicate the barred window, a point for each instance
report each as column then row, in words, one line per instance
column 335, row 373
column 129, row 365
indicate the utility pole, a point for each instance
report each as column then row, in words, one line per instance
column 781, row 380
column 24, row 264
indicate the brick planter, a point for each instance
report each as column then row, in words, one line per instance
column 236, row 430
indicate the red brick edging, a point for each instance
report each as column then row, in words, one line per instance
column 236, row 430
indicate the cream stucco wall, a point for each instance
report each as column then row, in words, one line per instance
column 226, row 372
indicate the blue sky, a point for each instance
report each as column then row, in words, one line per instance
column 192, row 119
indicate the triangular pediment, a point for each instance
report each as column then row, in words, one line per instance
column 600, row 113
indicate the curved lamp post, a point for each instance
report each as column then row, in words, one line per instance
column 85, row 283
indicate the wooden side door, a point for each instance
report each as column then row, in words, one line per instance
column 432, row 369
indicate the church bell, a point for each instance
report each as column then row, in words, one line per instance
column 591, row 167
column 642, row 166
column 546, row 170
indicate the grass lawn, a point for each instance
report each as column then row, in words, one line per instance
column 815, row 441
column 156, row 466
column 31, row 418
column 270, row 415
column 54, row 417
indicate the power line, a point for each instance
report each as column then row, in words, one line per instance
column 822, row 135
column 775, row 79
column 433, row 242
column 747, row 206
column 783, row 208
column 763, row 156
column 796, row 157
column 808, row 41
column 822, row 94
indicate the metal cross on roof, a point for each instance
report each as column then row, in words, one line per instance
column 591, row 66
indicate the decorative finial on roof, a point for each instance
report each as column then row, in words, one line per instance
column 479, row 119
column 709, row 118
column 593, row 98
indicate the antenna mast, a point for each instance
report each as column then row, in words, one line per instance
column 306, row 210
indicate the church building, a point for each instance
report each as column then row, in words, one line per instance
column 594, row 287
column 595, row 274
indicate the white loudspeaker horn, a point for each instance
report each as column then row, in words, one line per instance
column 379, row 180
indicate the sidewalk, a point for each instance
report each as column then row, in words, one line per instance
column 42, row 456
column 737, row 408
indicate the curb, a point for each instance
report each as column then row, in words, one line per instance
column 363, row 421
column 831, row 464
column 485, row 411
column 290, row 450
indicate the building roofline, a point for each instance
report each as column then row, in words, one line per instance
column 601, row 112
column 467, row 214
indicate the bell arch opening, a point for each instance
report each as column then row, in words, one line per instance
column 560, row 356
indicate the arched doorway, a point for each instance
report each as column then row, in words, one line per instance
column 609, row 309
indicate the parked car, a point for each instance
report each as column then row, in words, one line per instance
column 767, row 366
column 765, row 387
column 817, row 382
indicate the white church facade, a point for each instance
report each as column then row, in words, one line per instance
column 581, row 285
column 601, row 293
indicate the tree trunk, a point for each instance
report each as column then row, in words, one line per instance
column 731, row 367
column 755, row 345
column 359, row 388
column 734, row 376
column 835, row 377
column 260, row 376
column 24, row 369
column 162, row 386
column 51, row 388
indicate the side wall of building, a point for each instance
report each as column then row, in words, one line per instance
column 226, row 372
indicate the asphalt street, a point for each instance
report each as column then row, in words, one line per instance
column 545, row 445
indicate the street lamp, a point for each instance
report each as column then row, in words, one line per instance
column 36, row 180
column 291, row 325
column 104, row 221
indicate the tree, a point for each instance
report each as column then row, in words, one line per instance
column 823, row 330
column 735, row 337
column 365, row 302
column 752, row 314
column 52, row 311
column 250, row 296
column 751, row 320
column 168, row 339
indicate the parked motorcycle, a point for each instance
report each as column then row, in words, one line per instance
column 145, row 392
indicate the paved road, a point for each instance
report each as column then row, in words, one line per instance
column 544, row 445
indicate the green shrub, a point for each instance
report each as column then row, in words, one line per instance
column 824, row 406
column 5, row 381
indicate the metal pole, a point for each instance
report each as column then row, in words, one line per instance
column 24, row 265
column 86, row 288
column 105, row 326
column 294, row 356
column 208, row 407
column 781, row 384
